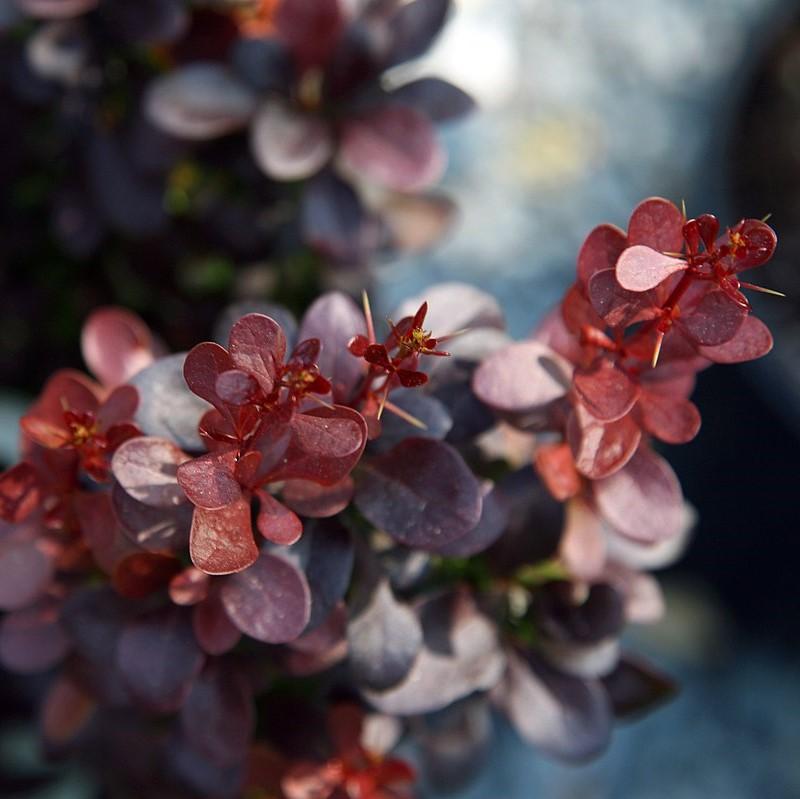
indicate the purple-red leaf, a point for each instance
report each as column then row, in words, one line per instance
column 395, row 146
column 146, row 468
column 218, row 717
column 715, row 320
column 658, row 223
column 753, row 340
column 25, row 570
column 334, row 319
column 289, row 144
column 316, row 501
column 617, row 306
column 221, row 541
column 310, row 30
column 213, row 628
column 326, row 444
column 439, row 100
column 276, row 522
column 636, row 687
column 19, row 492
column 258, row 346
column 670, row 419
column 153, row 529
column 523, row 377
column 601, row 448
column 115, row 344
column 421, row 492
column 561, row 715
column 641, row 268
column 606, row 391
column 209, row 480
column 270, row 601
column 492, row 524
column 32, row 640
column 203, row 366
column 158, row 658
column 643, row 500
column 600, row 251
column 142, row 573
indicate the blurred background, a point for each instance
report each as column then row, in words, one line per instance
column 585, row 108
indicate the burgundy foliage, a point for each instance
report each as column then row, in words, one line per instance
column 413, row 529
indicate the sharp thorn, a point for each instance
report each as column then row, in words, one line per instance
column 397, row 411
column 368, row 316
column 657, row 350
column 762, row 290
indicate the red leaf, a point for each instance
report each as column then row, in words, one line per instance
column 555, row 465
column 276, row 522
column 760, row 242
column 326, row 444
column 142, row 573
column 258, row 346
column 605, row 389
column 120, row 406
column 203, row 365
column 146, row 468
column 289, row 144
column 753, row 340
column 421, row 493
column 715, row 320
column 395, row 146
column 101, row 531
column 19, row 492
column 158, row 658
column 643, row 500
column 668, row 418
column 657, row 223
column 209, row 480
column 600, row 251
column 316, row 501
column 213, row 628
column 270, row 602
column 116, row 344
column 151, row 529
column 641, row 268
column 189, row 586
column 236, row 387
column 601, row 448
column 523, row 377
column 311, row 30
column 617, row 306
column 221, row 541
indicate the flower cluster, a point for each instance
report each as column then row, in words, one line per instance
column 204, row 149
column 260, row 563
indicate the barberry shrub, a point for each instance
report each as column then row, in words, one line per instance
column 258, row 564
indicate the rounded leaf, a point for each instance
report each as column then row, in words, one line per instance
column 221, row 541
column 199, row 101
column 523, row 377
column 643, row 500
column 383, row 638
column 115, row 344
column 752, row 341
column 167, row 408
column 600, row 251
column 561, row 715
column 439, row 100
column 289, row 144
column 605, row 389
column 395, row 146
column 715, row 320
column 601, row 448
column 658, row 223
column 158, row 658
column 421, row 492
column 146, row 467
column 270, row 601
column 642, row 268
